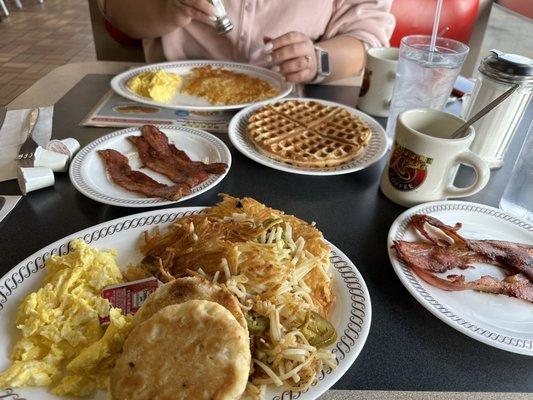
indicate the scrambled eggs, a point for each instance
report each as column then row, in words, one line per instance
column 63, row 345
column 158, row 85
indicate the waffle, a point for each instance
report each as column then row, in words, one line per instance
column 308, row 134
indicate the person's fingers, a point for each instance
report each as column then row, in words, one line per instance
column 304, row 75
column 294, row 65
column 201, row 5
column 284, row 40
column 291, row 51
column 186, row 13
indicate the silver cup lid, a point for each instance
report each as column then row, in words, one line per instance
column 223, row 25
column 509, row 68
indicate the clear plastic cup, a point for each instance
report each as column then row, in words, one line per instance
column 424, row 79
column 517, row 198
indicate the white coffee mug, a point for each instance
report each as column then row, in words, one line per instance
column 424, row 159
column 378, row 81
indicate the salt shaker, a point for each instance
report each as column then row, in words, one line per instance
column 498, row 73
column 222, row 24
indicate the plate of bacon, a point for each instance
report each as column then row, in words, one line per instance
column 150, row 166
column 470, row 265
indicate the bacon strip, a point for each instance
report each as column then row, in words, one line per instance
column 153, row 160
column 118, row 168
column 159, row 141
column 514, row 257
column 514, row 286
column 441, row 255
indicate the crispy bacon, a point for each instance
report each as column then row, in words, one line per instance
column 514, row 286
column 514, row 257
column 118, row 168
column 156, row 162
column 159, row 141
column 447, row 249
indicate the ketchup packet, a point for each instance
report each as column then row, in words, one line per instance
column 129, row 296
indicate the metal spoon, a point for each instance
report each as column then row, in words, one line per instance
column 461, row 130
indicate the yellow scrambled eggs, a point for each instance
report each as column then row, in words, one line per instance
column 63, row 345
column 158, row 85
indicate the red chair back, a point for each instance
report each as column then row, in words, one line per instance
column 416, row 17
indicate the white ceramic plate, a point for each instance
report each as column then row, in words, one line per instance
column 89, row 177
column 373, row 152
column 351, row 312
column 496, row 320
column 187, row 102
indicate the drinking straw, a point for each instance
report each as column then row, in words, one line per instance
column 435, row 26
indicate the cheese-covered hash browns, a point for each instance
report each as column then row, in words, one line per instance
column 224, row 87
column 277, row 265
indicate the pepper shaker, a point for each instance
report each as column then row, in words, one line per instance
column 498, row 72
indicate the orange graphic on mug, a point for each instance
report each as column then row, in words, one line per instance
column 407, row 170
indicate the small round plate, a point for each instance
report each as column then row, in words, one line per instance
column 187, row 102
column 373, row 152
column 89, row 176
column 496, row 320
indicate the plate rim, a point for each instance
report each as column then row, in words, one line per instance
column 412, row 282
column 348, row 275
column 118, row 80
column 83, row 187
column 235, row 135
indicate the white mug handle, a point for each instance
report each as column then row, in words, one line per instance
column 482, row 175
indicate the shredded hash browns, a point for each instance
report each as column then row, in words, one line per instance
column 277, row 265
column 220, row 86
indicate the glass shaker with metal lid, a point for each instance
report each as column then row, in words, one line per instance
column 222, row 24
column 499, row 72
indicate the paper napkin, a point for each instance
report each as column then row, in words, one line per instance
column 11, row 138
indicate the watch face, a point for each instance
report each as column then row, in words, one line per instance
column 324, row 62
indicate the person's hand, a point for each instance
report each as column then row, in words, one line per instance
column 293, row 55
column 185, row 11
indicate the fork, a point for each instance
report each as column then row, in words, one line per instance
column 26, row 154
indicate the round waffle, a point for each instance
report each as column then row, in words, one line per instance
column 307, row 133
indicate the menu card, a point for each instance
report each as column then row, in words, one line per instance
column 115, row 111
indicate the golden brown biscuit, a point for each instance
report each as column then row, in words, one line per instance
column 185, row 289
column 190, row 351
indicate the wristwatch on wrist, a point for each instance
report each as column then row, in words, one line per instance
column 322, row 61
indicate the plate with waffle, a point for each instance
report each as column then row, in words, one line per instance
column 308, row 136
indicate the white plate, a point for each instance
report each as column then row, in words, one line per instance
column 89, row 177
column 373, row 152
column 496, row 320
column 351, row 312
column 187, row 102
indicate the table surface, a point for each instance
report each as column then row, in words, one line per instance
column 408, row 349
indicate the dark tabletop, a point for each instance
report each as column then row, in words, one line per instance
column 407, row 348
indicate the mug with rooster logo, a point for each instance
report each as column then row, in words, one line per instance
column 424, row 159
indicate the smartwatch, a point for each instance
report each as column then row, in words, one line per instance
column 322, row 61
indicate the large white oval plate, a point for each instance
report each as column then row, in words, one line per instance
column 350, row 315
column 89, row 177
column 373, row 152
column 496, row 320
column 187, row 102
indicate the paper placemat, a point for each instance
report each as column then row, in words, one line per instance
column 113, row 110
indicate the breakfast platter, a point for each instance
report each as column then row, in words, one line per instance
column 88, row 173
column 316, row 137
column 243, row 73
column 494, row 319
column 350, row 313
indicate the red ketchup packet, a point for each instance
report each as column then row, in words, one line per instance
column 129, row 296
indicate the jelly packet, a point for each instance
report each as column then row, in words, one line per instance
column 129, row 296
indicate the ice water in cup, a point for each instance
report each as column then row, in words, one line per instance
column 424, row 79
column 517, row 197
